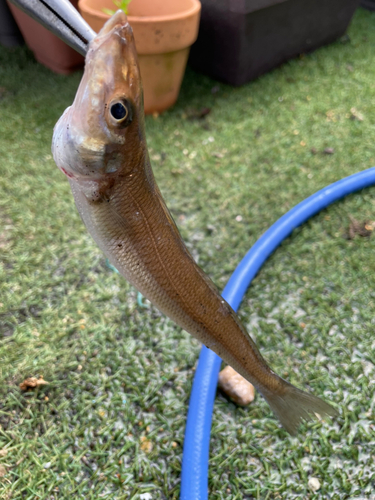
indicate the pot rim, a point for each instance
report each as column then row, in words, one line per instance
column 195, row 9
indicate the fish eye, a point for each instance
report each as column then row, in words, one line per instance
column 118, row 111
column 121, row 112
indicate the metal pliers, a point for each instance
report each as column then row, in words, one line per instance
column 60, row 17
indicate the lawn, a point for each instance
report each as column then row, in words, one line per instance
column 110, row 423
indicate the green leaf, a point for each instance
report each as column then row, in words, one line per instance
column 108, row 11
column 121, row 4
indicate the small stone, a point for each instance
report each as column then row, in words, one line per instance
column 145, row 496
column 329, row 151
column 314, row 484
column 236, row 387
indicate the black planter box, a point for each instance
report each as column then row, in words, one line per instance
column 368, row 4
column 9, row 33
column 241, row 39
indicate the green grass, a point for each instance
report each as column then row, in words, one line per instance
column 110, row 424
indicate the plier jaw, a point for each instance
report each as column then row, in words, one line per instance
column 62, row 19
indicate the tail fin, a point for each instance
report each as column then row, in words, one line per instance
column 295, row 405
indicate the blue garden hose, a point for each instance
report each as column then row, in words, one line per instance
column 194, row 475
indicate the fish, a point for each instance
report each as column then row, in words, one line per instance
column 99, row 143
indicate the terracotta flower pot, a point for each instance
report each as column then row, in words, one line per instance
column 48, row 49
column 163, row 30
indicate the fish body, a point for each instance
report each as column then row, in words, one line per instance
column 99, row 144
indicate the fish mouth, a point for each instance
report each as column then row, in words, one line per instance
column 119, row 18
column 117, row 24
column 114, row 42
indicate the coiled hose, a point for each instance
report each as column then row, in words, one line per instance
column 194, row 475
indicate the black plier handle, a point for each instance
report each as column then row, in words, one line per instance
column 60, row 17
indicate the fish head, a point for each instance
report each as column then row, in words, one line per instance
column 96, row 138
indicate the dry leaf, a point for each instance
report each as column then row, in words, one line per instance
column 363, row 229
column 332, row 116
column 146, row 444
column 370, row 226
column 198, row 114
column 356, row 115
column 32, row 382
column 3, row 452
column 3, row 471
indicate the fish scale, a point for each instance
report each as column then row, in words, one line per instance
column 104, row 155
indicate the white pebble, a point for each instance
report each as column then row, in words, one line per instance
column 314, row 484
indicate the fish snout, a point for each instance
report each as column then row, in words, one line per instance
column 116, row 25
column 119, row 19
